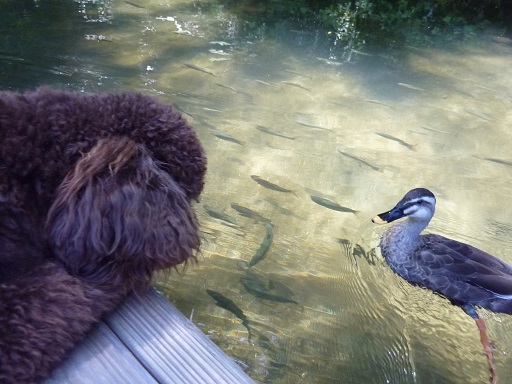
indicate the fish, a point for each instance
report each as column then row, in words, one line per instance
column 378, row 102
column 433, row 129
column 259, row 290
column 265, row 245
column 331, row 204
column 330, row 62
column 265, row 83
column 195, row 67
column 247, row 212
column 399, row 141
column 6, row 57
column 309, row 121
column 296, row 85
column 359, row 160
column 135, row 5
column 297, row 73
column 361, row 53
column 278, row 206
column 228, row 304
column 226, row 86
column 498, row 161
column 248, row 96
column 306, row 124
column 409, row 86
column 226, row 136
column 222, row 43
column 269, row 185
column 486, row 88
column 218, row 214
column 270, row 131
column 481, row 115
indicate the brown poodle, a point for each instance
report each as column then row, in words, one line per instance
column 95, row 196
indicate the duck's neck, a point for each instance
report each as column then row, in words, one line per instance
column 399, row 241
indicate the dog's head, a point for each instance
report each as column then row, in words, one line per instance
column 118, row 217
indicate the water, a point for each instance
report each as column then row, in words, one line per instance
column 360, row 128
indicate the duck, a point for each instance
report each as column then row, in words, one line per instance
column 467, row 276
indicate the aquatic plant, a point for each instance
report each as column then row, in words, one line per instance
column 352, row 23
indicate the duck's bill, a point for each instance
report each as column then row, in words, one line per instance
column 389, row 216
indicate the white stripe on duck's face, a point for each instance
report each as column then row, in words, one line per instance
column 419, row 204
column 421, row 208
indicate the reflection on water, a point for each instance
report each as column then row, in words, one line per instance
column 311, row 145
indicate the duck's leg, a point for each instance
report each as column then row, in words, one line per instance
column 471, row 311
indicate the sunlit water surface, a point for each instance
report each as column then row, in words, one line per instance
column 359, row 129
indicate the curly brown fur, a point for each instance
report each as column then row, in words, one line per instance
column 118, row 217
column 95, row 194
column 42, row 316
column 22, row 247
column 45, row 132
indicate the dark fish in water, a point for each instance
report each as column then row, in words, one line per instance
column 256, row 288
column 267, row 284
column 195, row 67
column 218, row 214
column 134, row 5
column 277, row 206
column 265, row 83
column 409, row 86
column 226, row 86
column 481, row 115
column 296, row 85
column 226, row 136
column 247, row 95
column 223, row 302
column 499, row 161
column 330, row 204
column 399, row 141
column 298, row 73
column 270, row 131
column 247, row 212
column 378, row 102
column 433, row 129
column 269, row 185
column 361, row 53
column 359, row 160
column 306, row 124
column 265, row 245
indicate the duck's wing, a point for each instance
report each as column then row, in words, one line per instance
column 458, row 266
column 468, row 252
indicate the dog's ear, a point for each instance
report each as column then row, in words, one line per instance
column 117, row 217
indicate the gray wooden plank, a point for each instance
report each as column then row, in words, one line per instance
column 170, row 346
column 101, row 359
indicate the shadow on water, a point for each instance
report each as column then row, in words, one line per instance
column 286, row 115
column 28, row 48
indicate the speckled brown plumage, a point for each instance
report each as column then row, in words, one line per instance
column 464, row 274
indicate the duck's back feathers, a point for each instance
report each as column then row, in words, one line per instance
column 462, row 273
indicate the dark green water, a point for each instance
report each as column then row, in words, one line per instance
column 358, row 128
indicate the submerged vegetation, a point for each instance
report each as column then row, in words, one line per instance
column 381, row 21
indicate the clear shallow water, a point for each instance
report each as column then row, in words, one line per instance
column 359, row 132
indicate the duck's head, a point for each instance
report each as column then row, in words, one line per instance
column 418, row 204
